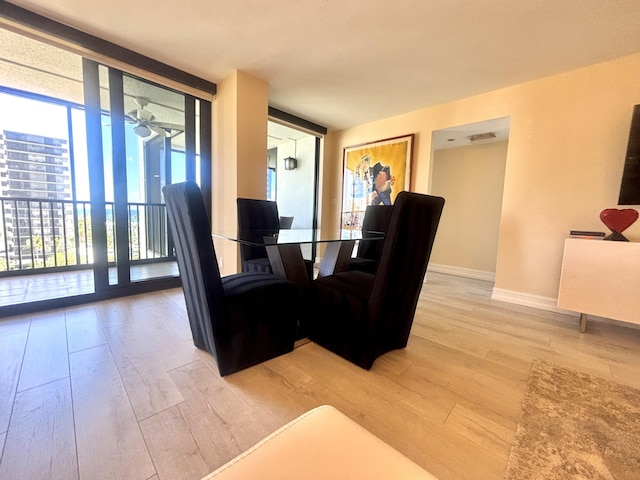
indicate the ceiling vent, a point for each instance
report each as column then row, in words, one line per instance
column 481, row 136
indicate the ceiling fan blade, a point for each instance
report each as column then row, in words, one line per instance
column 170, row 126
column 159, row 130
column 130, row 119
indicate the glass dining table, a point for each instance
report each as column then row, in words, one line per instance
column 285, row 253
column 286, row 260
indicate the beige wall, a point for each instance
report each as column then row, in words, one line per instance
column 471, row 179
column 239, row 155
column 567, row 144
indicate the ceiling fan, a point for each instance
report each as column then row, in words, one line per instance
column 146, row 122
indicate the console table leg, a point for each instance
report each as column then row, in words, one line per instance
column 583, row 322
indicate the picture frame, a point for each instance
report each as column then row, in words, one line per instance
column 373, row 174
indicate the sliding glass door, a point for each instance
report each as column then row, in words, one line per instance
column 144, row 136
column 85, row 150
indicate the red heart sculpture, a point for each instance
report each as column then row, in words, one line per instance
column 618, row 220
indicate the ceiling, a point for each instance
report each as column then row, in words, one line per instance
column 341, row 63
column 497, row 130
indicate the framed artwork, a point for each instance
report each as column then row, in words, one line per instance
column 373, row 174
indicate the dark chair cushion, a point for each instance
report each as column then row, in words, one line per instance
column 363, row 264
column 261, row 318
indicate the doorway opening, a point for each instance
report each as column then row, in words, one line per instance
column 293, row 157
column 468, row 170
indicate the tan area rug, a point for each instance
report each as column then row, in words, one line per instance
column 576, row 426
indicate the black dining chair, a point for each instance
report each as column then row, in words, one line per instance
column 256, row 219
column 241, row 319
column 286, row 222
column 376, row 219
column 360, row 315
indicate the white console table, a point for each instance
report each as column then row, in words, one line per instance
column 602, row 278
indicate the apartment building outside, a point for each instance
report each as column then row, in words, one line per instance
column 36, row 211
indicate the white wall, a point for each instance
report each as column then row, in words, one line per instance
column 294, row 191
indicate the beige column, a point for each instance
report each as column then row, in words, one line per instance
column 239, row 154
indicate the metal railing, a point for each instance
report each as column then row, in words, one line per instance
column 45, row 234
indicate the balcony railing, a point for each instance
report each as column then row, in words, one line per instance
column 45, row 234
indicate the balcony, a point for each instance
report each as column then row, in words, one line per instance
column 46, row 247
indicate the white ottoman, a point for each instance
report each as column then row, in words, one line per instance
column 321, row 444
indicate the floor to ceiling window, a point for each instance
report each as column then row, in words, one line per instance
column 85, row 150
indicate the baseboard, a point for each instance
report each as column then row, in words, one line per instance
column 529, row 300
column 462, row 272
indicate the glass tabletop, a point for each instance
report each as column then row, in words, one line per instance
column 295, row 235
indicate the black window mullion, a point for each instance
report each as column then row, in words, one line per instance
column 119, row 156
column 316, row 193
column 205, row 153
column 96, row 173
column 190, row 136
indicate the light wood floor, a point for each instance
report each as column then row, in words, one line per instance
column 117, row 390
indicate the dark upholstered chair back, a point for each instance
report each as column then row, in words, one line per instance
column 403, row 263
column 197, row 262
column 361, row 315
column 376, row 219
column 256, row 218
column 241, row 319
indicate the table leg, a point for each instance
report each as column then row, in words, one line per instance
column 336, row 257
column 286, row 261
column 583, row 322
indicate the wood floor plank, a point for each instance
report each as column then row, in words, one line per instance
column 145, row 351
column 265, row 389
column 11, row 353
column 228, row 419
column 11, row 326
column 45, row 359
column 84, row 329
column 110, row 443
column 41, row 440
column 126, row 310
column 214, row 449
column 176, row 456
column 491, row 436
column 173, row 315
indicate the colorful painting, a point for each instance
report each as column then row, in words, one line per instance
column 374, row 174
